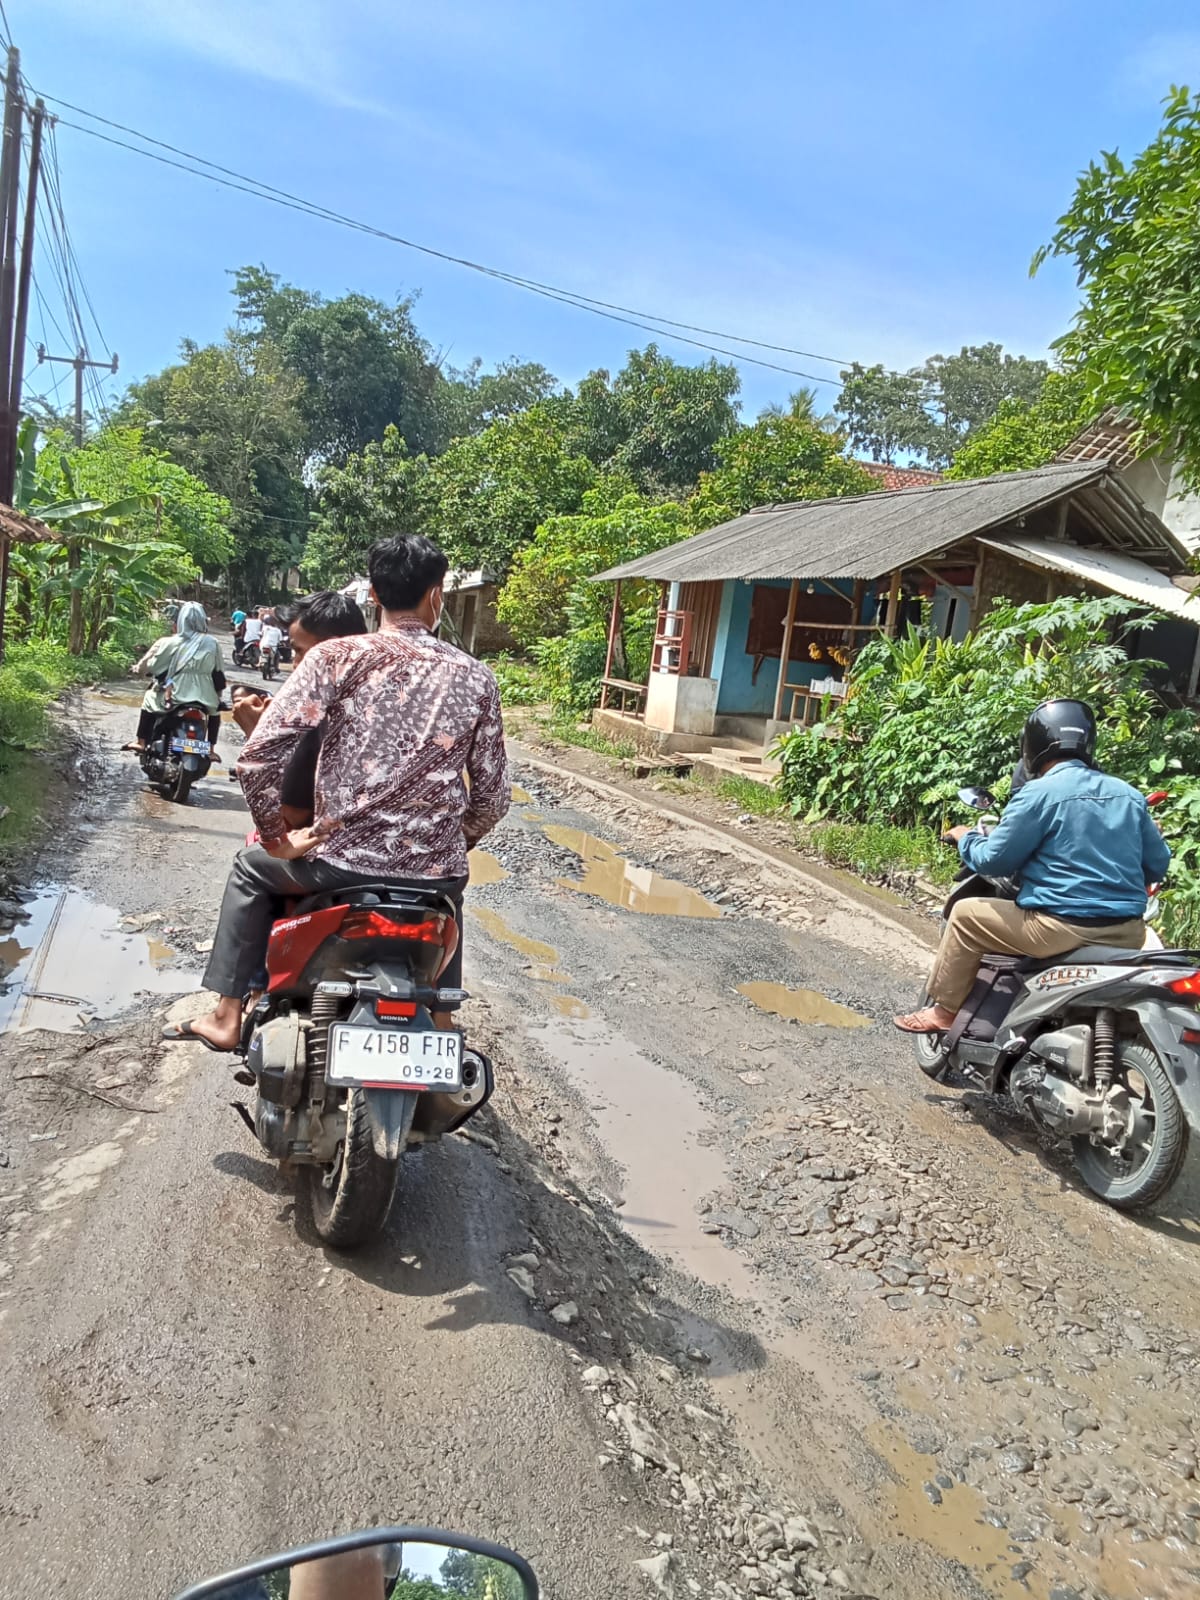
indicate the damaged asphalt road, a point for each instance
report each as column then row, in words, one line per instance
column 720, row 1297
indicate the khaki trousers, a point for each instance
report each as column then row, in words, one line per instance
column 1000, row 927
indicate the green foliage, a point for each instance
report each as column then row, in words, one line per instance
column 520, row 682
column 120, row 464
column 1179, row 818
column 925, row 716
column 1023, row 435
column 931, row 411
column 230, row 414
column 566, row 551
column 760, row 799
column 488, row 493
column 35, row 674
column 361, row 364
column 787, row 457
column 98, row 574
column 657, row 423
column 963, row 393
column 876, row 850
column 569, row 730
column 1131, row 231
column 474, row 399
column 884, row 412
column 475, row 1577
column 384, row 490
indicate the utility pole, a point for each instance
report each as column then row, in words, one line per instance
column 10, row 183
column 8, row 470
column 81, row 363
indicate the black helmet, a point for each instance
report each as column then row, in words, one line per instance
column 1058, row 730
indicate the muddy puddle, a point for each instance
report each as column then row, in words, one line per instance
column 74, row 961
column 521, row 797
column 543, row 958
column 802, row 1005
column 663, row 1181
column 485, row 868
column 608, row 876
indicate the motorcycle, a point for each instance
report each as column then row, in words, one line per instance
column 270, row 665
column 1101, row 1046
column 380, row 1564
column 245, row 654
column 179, row 753
column 286, row 651
column 349, row 1071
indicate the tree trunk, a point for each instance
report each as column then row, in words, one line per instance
column 75, row 636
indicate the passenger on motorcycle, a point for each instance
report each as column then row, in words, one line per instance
column 1084, row 847
column 254, row 628
column 412, row 774
column 186, row 669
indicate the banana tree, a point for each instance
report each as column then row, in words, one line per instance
column 102, row 578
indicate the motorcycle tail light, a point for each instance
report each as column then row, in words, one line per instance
column 376, row 925
column 1188, row 986
column 395, row 1008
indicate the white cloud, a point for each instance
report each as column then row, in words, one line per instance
column 302, row 43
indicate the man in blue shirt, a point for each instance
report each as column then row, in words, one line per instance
column 1084, row 848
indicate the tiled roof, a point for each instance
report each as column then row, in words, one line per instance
column 1110, row 438
column 900, row 477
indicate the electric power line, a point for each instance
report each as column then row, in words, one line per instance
column 227, row 177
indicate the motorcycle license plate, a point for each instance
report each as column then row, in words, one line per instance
column 191, row 747
column 394, row 1057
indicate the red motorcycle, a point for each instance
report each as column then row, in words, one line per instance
column 349, row 1069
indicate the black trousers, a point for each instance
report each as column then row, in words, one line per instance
column 254, row 891
column 148, row 726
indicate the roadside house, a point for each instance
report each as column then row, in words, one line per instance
column 761, row 615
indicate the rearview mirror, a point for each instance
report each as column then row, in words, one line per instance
column 386, row 1564
column 978, row 799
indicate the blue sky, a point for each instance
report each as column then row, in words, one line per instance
column 863, row 180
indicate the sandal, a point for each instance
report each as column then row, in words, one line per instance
column 925, row 1021
column 185, row 1033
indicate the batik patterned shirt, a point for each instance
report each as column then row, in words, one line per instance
column 412, row 769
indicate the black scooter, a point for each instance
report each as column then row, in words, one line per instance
column 179, row 752
column 1101, row 1046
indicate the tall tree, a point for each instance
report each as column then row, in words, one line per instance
column 964, row 392
column 657, row 421
column 1024, row 435
column 383, row 490
column 489, row 492
column 229, row 414
column 474, row 399
column 779, row 458
column 361, row 363
column 1131, row 230
column 884, row 412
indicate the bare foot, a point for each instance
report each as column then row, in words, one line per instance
column 933, row 1019
column 220, row 1029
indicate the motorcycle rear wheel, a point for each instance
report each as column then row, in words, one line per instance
column 350, row 1200
column 1160, row 1129
column 181, row 788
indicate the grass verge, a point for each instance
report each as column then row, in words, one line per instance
column 32, row 677
column 876, row 850
column 567, row 731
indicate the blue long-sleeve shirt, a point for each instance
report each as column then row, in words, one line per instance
column 1081, row 842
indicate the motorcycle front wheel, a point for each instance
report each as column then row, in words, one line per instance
column 350, row 1199
column 1135, row 1173
column 930, row 1050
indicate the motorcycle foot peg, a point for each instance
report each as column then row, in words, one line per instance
column 245, row 1077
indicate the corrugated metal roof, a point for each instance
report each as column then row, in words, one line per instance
column 868, row 536
column 1107, row 569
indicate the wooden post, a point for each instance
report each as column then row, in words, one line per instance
column 614, row 623
column 1194, row 674
column 786, row 653
column 893, row 609
column 976, row 589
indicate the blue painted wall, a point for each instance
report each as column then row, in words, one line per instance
column 733, row 668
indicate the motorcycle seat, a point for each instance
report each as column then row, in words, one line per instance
column 410, row 897
column 1105, row 955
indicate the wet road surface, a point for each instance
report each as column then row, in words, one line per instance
column 723, row 1287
